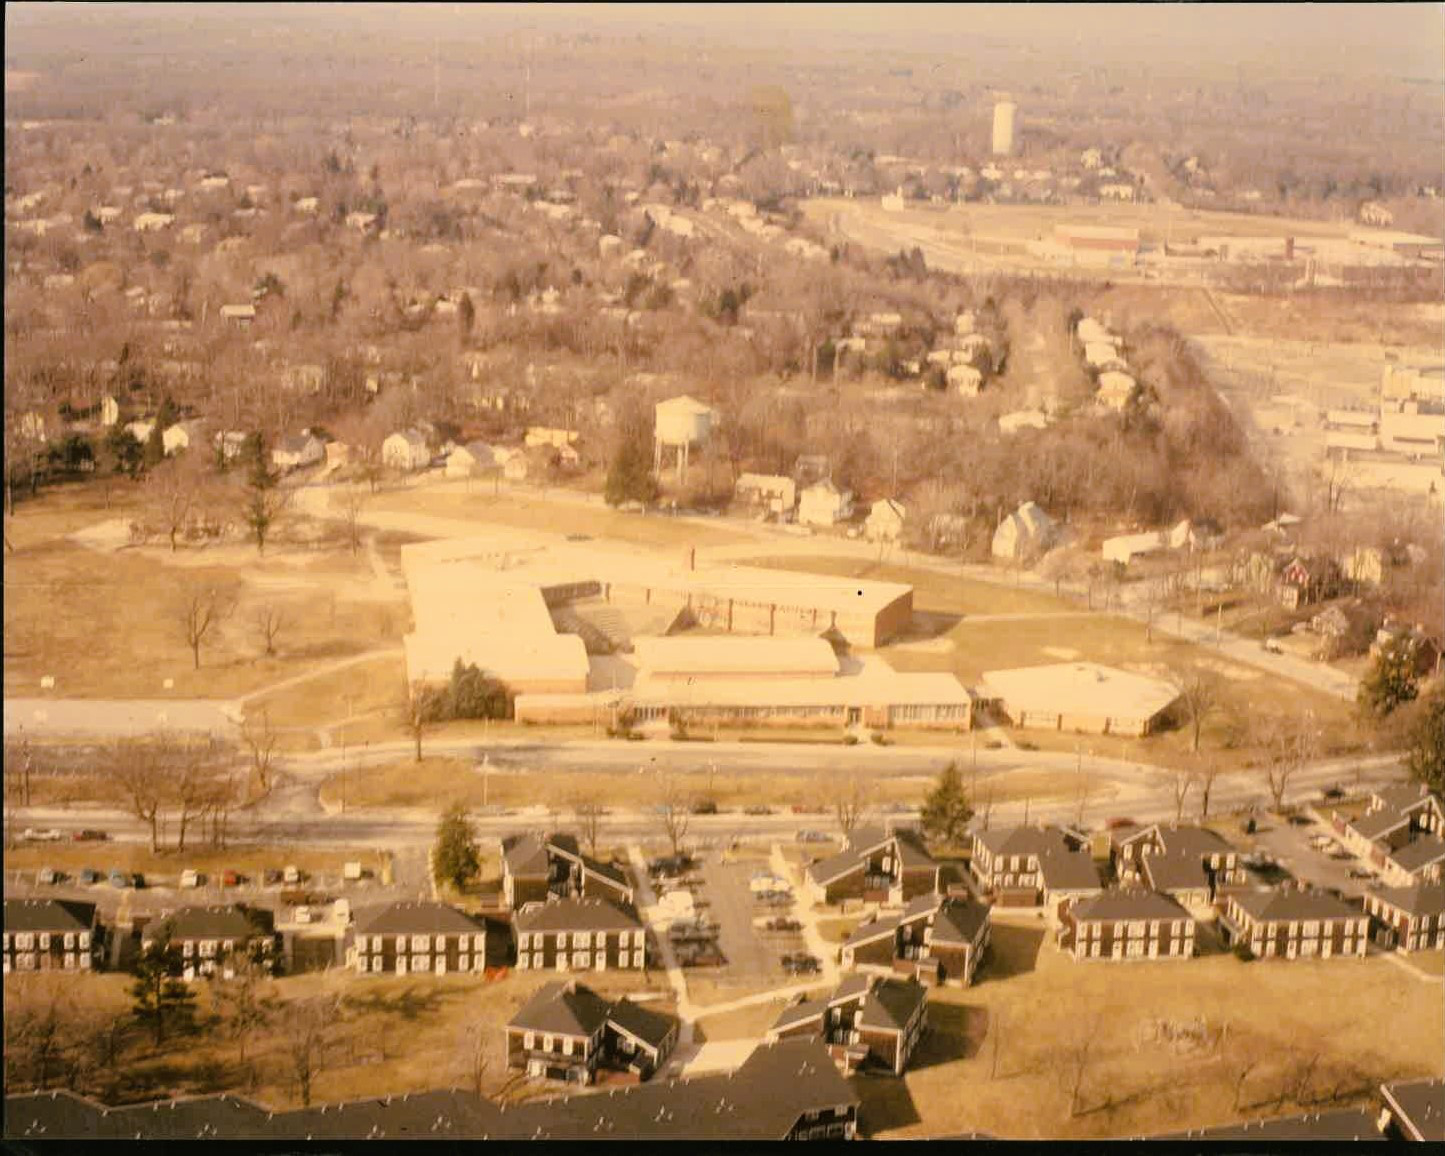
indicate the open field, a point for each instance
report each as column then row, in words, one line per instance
column 247, row 858
column 375, row 685
column 451, row 500
column 384, row 1036
column 1363, row 1021
column 743, row 1024
column 106, row 622
column 1432, row 962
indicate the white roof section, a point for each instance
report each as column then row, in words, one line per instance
column 1083, row 688
column 863, row 682
column 683, row 404
column 734, row 654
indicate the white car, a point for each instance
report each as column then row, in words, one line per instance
column 303, row 915
column 190, row 879
column 291, row 875
column 34, row 836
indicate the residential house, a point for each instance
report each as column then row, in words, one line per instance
column 1412, row 918
column 1189, row 864
column 1024, row 534
column 1009, row 864
column 824, row 504
column 1399, row 834
column 1116, row 390
column 415, row 936
column 241, row 315
column 876, row 866
column 771, row 492
column 1414, row 1110
column 536, row 869
column 1295, row 924
column 964, row 379
column 472, row 459
column 109, row 411
column 1305, row 580
column 936, row 938
column 810, row 468
column 566, row 1031
column 295, row 451
column 1423, row 649
column 141, row 430
column 51, row 935
column 885, row 521
column 1126, row 547
column 579, row 935
column 182, row 436
column 865, row 1020
column 534, row 462
column 211, row 939
column 1131, row 923
column 151, row 222
column 406, row 450
column 540, row 435
column 230, row 444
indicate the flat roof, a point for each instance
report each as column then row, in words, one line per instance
column 1084, row 688
column 734, row 654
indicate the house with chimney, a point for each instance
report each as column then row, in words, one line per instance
column 865, row 1021
column 536, row 868
column 936, row 938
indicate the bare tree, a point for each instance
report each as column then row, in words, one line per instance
column 416, row 716
column 1182, row 781
column 193, row 786
column 306, row 1038
column 172, row 495
column 353, row 501
column 1289, row 744
column 995, row 1031
column 1244, row 1052
column 143, row 772
column 260, row 738
column 244, row 1002
column 473, row 1048
column 852, row 803
column 589, row 812
column 269, row 620
column 1199, row 697
column 1075, row 1059
column 202, row 608
column 1205, row 776
column 673, row 811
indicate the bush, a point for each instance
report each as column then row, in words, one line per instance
column 850, row 740
column 1242, row 953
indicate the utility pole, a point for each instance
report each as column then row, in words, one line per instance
column 436, row 75
column 486, row 779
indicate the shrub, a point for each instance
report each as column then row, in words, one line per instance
column 1242, row 953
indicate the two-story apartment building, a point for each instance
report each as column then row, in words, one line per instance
column 536, row 869
column 1294, row 924
column 566, row 1031
column 1189, row 863
column 879, row 866
column 1028, row 866
column 865, row 1020
column 938, row 939
column 51, row 935
column 213, row 940
column 1400, row 834
column 1127, row 924
column 579, row 935
column 1413, row 916
column 414, row 937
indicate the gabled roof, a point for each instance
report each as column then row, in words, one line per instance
column 1068, row 871
column 891, row 1003
column 1379, row 824
column 564, row 1008
column 641, row 1023
column 418, row 917
column 1269, row 906
column 1169, row 872
column 219, row 921
column 1417, row 899
column 835, row 867
column 802, row 1012
column 575, row 915
column 524, row 855
column 1419, row 1106
column 52, row 1115
column 849, row 987
column 444, row 1113
column 191, row 1118
column 959, row 921
column 48, row 915
column 1419, row 853
column 1132, row 903
column 1344, row 1124
column 1026, row 840
column 877, row 929
column 1399, row 796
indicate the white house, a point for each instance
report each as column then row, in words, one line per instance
column 770, row 491
column 151, row 222
column 1126, row 547
column 406, row 450
column 1115, row 389
column 824, row 504
column 885, row 521
column 297, row 450
column 109, row 411
column 240, row 314
column 1024, row 533
column 141, row 430
column 229, row 444
column 181, row 436
column 965, row 379
column 471, row 459
column 1102, row 355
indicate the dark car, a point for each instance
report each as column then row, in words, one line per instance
column 89, row 875
column 704, row 807
column 1335, row 792
column 1115, row 824
column 90, row 835
column 271, row 876
column 1341, row 854
column 1361, row 873
column 1301, row 821
column 781, row 923
column 758, row 809
column 137, row 880
column 801, row 964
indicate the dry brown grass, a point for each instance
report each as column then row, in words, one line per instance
column 375, row 685
column 1366, row 1022
column 742, row 1024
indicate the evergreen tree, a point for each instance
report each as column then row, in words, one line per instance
column 263, row 498
column 473, row 695
column 466, row 316
column 155, row 447
column 1426, row 756
column 454, row 855
column 946, row 810
column 161, row 1000
column 1390, row 682
column 630, row 477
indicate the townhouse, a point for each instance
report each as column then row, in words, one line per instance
column 1127, row 924
column 51, row 935
column 1400, row 834
column 1294, row 924
column 535, row 869
column 936, row 938
column 579, row 935
column 1029, row 866
column 566, row 1031
column 214, row 939
column 877, row 866
column 413, row 937
column 865, row 1020
column 1188, row 863
column 1412, row 918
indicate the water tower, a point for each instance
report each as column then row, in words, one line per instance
column 681, row 423
column 1004, row 114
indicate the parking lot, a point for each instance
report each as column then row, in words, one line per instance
column 1290, row 844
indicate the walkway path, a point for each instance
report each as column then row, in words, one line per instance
column 315, row 672
column 1402, row 962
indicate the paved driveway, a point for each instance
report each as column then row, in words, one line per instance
column 750, row 958
column 1291, row 846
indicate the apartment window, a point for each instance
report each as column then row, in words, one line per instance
column 1154, row 927
column 529, row 1040
column 208, row 948
column 524, row 961
column 421, row 963
column 479, row 942
column 582, row 939
column 567, row 1046
column 546, row 1043
column 561, row 939
column 582, row 959
column 44, row 940
column 376, row 963
column 84, row 962
column 1136, row 927
column 523, row 940
column 6, row 941
column 188, row 949
column 1136, row 947
column 1096, row 949
column 70, row 941
column 1312, row 927
column 69, row 962
column 421, row 942
column 464, row 962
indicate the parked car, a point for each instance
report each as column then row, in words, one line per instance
column 801, row 964
column 782, row 923
column 1341, row 854
column 1301, row 821
column 758, row 809
column 190, row 878
column 812, row 837
column 51, row 835
column 1333, row 792
column 704, row 807
column 137, row 880
column 1360, row 873
column 270, row 876
column 232, row 879
column 119, row 878
column 47, row 875
column 291, row 875
column 1116, row 823
column 89, row 875
column 90, row 835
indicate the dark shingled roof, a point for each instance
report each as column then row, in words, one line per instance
column 194, row 1118
column 1419, row 853
column 1200, row 842
column 891, row 1003
column 52, row 1115
column 959, row 921
column 575, row 915
column 1419, row 1106
column 524, row 855
column 1345, row 1124
column 1024, row 840
column 563, row 1007
column 1270, row 906
column 219, row 921
column 799, row 1013
column 1068, row 871
column 442, row 1114
column 641, row 1023
column 1417, row 899
column 48, row 915
column 909, row 845
column 1379, row 824
column 1171, row 872
column 1128, row 904
column 418, row 917
column 835, row 867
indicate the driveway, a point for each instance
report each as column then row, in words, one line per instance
column 750, row 958
column 1291, row 846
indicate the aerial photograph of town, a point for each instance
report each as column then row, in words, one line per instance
column 705, row 572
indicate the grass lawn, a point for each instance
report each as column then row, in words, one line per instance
column 249, row 859
column 745, row 1023
column 1431, row 962
column 705, row 986
column 837, row 930
column 375, row 685
column 1363, row 1022
column 561, row 517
